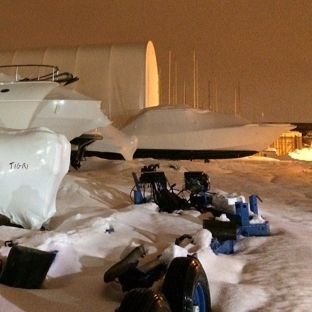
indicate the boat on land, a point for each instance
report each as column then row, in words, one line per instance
column 81, row 120
column 22, row 89
column 33, row 96
column 69, row 112
column 182, row 132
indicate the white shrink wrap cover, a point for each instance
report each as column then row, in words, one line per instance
column 33, row 163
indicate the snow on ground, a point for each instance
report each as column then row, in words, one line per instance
column 303, row 154
column 264, row 274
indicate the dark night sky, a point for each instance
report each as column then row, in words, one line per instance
column 264, row 46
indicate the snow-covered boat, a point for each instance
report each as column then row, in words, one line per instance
column 33, row 96
column 81, row 120
column 181, row 132
column 22, row 89
column 115, row 144
column 69, row 112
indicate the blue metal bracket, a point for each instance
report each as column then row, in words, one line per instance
column 246, row 228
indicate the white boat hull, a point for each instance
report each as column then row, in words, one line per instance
column 180, row 132
column 73, row 114
column 253, row 137
column 114, row 142
column 70, row 113
column 20, row 100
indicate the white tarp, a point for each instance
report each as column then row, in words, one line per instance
column 32, row 165
column 123, row 76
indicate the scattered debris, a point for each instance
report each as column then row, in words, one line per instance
column 232, row 216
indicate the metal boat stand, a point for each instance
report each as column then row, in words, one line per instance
column 79, row 146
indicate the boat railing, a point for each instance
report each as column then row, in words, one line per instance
column 37, row 72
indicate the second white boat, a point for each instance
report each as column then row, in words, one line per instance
column 181, row 132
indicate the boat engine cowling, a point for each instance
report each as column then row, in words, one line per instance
column 33, row 163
